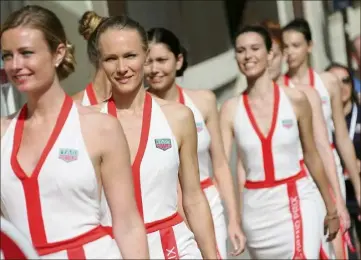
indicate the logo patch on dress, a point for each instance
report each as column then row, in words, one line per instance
column 163, row 143
column 287, row 123
column 68, row 155
column 199, row 126
column 324, row 100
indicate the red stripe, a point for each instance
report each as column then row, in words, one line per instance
column 147, row 114
column 9, row 248
column 295, row 209
column 286, row 80
column 181, row 95
column 91, row 94
column 169, row 244
column 266, row 141
column 311, row 76
column 323, row 255
column 206, row 183
column 30, row 182
column 76, row 253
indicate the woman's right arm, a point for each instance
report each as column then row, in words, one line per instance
column 313, row 160
column 116, row 176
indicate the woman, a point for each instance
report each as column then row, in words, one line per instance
column 100, row 89
column 297, row 42
column 268, row 122
column 352, row 113
column 57, row 156
column 162, row 141
column 319, row 132
column 166, row 61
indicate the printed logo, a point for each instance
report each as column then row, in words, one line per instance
column 297, row 226
column 199, row 126
column 68, row 155
column 324, row 100
column 163, row 143
column 358, row 129
column 287, row 123
column 171, row 253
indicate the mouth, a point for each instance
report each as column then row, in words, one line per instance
column 21, row 78
column 123, row 80
column 249, row 65
column 156, row 79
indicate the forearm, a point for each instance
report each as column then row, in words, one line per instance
column 225, row 184
column 315, row 166
column 329, row 164
column 348, row 155
column 131, row 239
column 200, row 221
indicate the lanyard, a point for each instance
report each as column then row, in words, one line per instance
column 353, row 122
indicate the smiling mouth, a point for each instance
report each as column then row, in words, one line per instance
column 22, row 78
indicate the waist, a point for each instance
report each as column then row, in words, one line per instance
column 157, row 225
column 90, row 236
column 206, row 183
column 270, row 184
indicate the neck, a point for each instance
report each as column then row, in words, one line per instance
column 300, row 73
column 132, row 101
column 347, row 107
column 260, row 86
column 46, row 103
column 170, row 93
column 278, row 78
column 102, row 86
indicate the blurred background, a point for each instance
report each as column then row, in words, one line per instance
column 205, row 29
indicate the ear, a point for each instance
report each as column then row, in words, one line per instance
column 270, row 56
column 179, row 62
column 59, row 54
column 310, row 46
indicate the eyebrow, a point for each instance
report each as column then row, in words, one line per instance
column 19, row 49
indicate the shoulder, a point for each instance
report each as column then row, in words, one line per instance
column 329, row 80
column 78, row 96
column 174, row 110
column 228, row 108
column 296, row 96
column 201, row 95
column 5, row 122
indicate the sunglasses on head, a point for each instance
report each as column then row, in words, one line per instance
column 346, row 80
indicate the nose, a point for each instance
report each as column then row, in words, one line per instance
column 153, row 68
column 248, row 54
column 16, row 63
column 122, row 68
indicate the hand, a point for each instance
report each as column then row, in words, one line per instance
column 237, row 238
column 331, row 225
column 344, row 216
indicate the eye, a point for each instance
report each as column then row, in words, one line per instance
column 130, row 56
column 107, row 59
column 26, row 53
column 5, row 56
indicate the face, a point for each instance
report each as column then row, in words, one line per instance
column 251, row 54
column 161, row 66
column 346, row 83
column 276, row 63
column 295, row 47
column 122, row 58
column 28, row 62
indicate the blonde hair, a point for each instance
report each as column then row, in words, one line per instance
column 88, row 23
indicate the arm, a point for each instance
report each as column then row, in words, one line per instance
column 116, row 176
column 195, row 203
column 325, row 151
column 343, row 141
column 223, row 175
column 313, row 161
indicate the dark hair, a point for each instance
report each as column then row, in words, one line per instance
column 299, row 25
column 335, row 65
column 44, row 20
column 274, row 30
column 259, row 29
column 88, row 24
column 162, row 35
column 118, row 22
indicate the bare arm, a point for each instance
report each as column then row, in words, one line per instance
column 314, row 163
column 116, row 176
column 343, row 141
column 195, row 203
column 322, row 143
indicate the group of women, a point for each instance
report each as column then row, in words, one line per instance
column 146, row 155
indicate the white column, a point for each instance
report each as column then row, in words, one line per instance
column 314, row 13
column 285, row 12
column 337, row 38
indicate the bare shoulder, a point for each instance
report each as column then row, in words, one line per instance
column 329, row 80
column 204, row 96
column 296, row 96
column 5, row 122
column 174, row 110
column 229, row 106
column 78, row 96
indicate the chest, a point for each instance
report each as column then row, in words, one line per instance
column 132, row 127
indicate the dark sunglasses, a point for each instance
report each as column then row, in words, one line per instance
column 346, row 80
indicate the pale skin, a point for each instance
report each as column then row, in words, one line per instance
column 26, row 53
column 252, row 58
column 122, row 58
column 160, row 71
column 297, row 50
